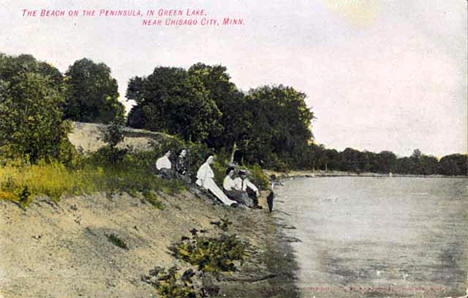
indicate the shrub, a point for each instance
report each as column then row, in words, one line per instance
column 170, row 283
column 259, row 178
column 31, row 125
column 109, row 155
column 114, row 239
column 112, row 135
column 151, row 198
column 213, row 254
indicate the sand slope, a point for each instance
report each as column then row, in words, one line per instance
column 61, row 250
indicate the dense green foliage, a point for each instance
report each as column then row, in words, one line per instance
column 278, row 127
column 172, row 101
column 31, row 125
column 209, row 255
column 91, row 93
column 170, row 283
column 215, row 254
column 269, row 125
column 454, row 164
column 12, row 66
column 352, row 160
column 228, row 99
column 112, row 135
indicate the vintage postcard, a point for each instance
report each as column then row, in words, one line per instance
column 233, row 148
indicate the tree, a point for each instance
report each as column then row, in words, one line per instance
column 277, row 124
column 333, row 159
column 386, row 162
column 406, row 165
column 454, row 164
column 31, row 122
column 349, row 160
column 92, row 94
column 175, row 102
column 113, row 133
column 11, row 66
column 229, row 100
column 429, row 165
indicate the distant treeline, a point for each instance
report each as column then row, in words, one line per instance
column 269, row 125
column 351, row 160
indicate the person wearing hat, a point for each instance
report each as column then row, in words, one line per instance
column 233, row 188
column 248, row 187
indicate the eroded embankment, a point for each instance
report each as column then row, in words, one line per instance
column 63, row 249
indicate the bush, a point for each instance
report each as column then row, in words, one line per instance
column 114, row 239
column 113, row 133
column 170, row 283
column 151, row 198
column 259, row 178
column 109, row 155
column 213, row 254
column 31, row 125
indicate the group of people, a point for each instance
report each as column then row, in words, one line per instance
column 238, row 189
column 180, row 170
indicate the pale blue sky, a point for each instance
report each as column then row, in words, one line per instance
column 379, row 75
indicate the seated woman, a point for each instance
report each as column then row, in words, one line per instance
column 164, row 166
column 233, row 188
column 205, row 179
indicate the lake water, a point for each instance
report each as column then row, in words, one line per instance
column 377, row 237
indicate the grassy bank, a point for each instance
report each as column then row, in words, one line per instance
column 21, row 183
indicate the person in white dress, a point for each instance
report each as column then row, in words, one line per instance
column 164, row 165
column 230, row 183
column 205, row 179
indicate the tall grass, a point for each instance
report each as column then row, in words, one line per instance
column 56, row 180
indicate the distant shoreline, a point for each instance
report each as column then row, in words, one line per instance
column 315, row 174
